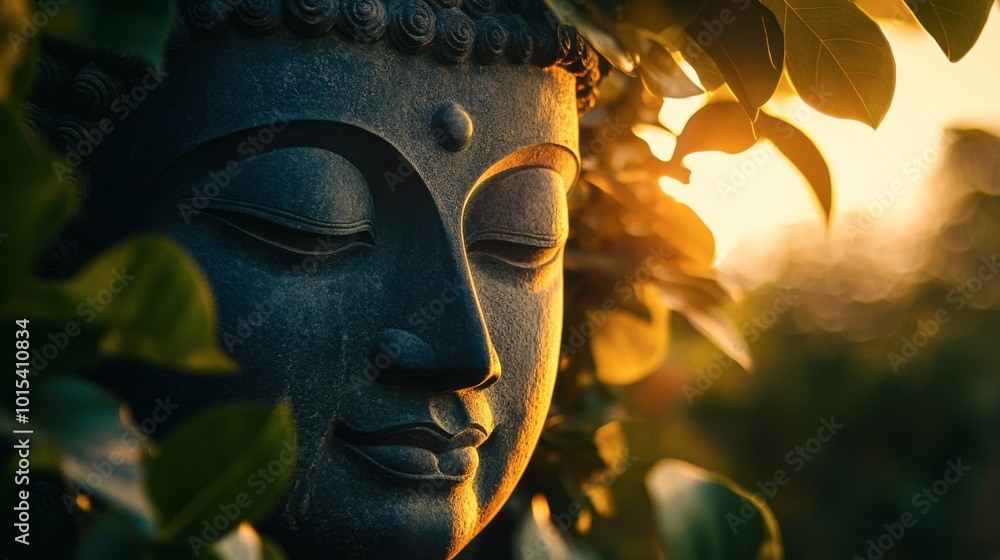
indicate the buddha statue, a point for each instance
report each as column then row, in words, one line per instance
column 376, row 193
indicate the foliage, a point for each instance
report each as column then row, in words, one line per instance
column 130, row 497
column 833, row 52
column 617, row 326
column 634, row 256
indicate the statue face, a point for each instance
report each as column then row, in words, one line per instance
column 405, row 297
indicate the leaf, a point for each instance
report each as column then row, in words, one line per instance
column 661, row 74
column 144, row 298
column 23, row 80
column 892, row 10
column 723, row 127
column 746, row 44
column 596, row 30
column 13, row 51
column 114, row 536
column 658, row 15
column 704, row 516
column 837, row 58
column 98, row 443
column 705, row 312
column 708, row 72
column 538, row 537
column 682, row 235
column 271, row 550
column 136, row 26
column 801, row 151
column 611, row 444
column 628, row 347
column 35, row 206
column 208, row 467
column 242, row 544
column 164, row 315
column 954, row 24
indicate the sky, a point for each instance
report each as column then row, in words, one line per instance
column 751, row 197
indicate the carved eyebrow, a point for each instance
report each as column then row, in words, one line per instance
column 504, row 235
column 360, row 147
column 547, row 155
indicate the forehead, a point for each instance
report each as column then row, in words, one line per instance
column 220, row 87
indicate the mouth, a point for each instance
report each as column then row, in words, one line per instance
column 417, row 451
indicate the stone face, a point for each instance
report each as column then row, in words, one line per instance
column 400, row 287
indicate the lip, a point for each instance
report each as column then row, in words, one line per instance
column 417, row 451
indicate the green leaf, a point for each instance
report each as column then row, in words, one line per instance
column 142, row 299
column 271, row 550
column 137, row 26
column 837, row 58
column 165, row 315
column 96, row 440
column 34, row 205
column 704, row 516
column 628, row 347
column 115, row 536
column 954, row 24
column 801, row 151
column 209, row 467
column 746, row 44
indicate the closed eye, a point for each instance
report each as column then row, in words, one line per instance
column 290, row 238
column 520, row 255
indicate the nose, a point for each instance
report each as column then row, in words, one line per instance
column 446, row 347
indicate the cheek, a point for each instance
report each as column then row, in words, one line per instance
column 289, row 320
column 525, row 326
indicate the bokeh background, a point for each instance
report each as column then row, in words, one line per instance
column 915, row 232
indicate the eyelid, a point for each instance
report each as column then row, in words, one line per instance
column 533, row 239
column 290, row 219
column 291, row 239
column 498, row 250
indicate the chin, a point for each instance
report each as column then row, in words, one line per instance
column 337, row 510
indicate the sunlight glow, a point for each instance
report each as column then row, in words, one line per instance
column 752, row 196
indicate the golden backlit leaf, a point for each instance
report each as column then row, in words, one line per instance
column 662, row 76
column 707, row 316
column 801, row 151
column 954, row 24
column 708, row 72
column 683, row 231
column 837, row 58
column 723, row 127
column 15, row 45
column 611, row 443
column 893, row 10
column 627, row 348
